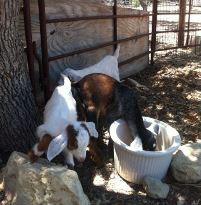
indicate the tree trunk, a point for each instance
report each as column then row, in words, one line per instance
column 18, row 118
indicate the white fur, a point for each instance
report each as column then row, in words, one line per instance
column 92, row 129
column 58, row 144
column 60, row 111
column 83, row 138
column 83, row 141
column 108, row 65
column 36, row 152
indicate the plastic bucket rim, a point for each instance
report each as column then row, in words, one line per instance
column 169, row 150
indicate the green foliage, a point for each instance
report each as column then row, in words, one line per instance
column 135, row 3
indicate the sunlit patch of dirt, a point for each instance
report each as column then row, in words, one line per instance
column 174, row 94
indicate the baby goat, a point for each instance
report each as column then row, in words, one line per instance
column 60, row 122
column 108, row 65
column 109, row 100
column 73, row 141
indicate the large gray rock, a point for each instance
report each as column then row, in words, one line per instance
column 41, row 183
column 186, row 164
column 155, row 188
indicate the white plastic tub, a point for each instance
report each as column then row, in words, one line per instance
column 134, row 165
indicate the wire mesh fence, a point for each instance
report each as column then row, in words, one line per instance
column 178, row 26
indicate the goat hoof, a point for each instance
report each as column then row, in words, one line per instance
column 2, row 195
column 79, row 165
column 71, row 167
column 32, row 156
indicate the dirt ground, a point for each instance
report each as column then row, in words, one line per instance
column 173, row 96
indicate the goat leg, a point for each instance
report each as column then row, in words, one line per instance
column 39, row 148
column 95, row 153
column 69, row 161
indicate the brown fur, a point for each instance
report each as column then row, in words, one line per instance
column 42, row 146
column 44, row 143
column 46, row 139
column 97, row 94
column 106, row 100
column 32, row 157
column 98, row 103
column 72, row 141
column 102, row 89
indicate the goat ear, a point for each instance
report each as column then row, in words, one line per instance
column 72, row 140
column 65, row 81
column 56, row 146
column 92, row 129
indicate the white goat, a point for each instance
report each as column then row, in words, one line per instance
column 60, row 110
column 61, row 130
column 108, row 65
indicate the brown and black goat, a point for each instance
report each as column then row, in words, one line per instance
column 103, row 100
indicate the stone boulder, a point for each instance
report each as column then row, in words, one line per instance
column 155, row 188
column 41, row 183
column 186, row 163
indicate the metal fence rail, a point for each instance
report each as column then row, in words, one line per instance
column 46, row 58
column 173, row 25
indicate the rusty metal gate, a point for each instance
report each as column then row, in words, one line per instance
column 44, row 21
column 174, row 24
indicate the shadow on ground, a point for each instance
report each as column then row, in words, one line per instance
column 174, row 97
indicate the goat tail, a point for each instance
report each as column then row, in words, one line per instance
column 65, row 80
column 41, row 131
column 116, row 53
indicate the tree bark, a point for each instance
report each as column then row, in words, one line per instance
column 18, row 118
